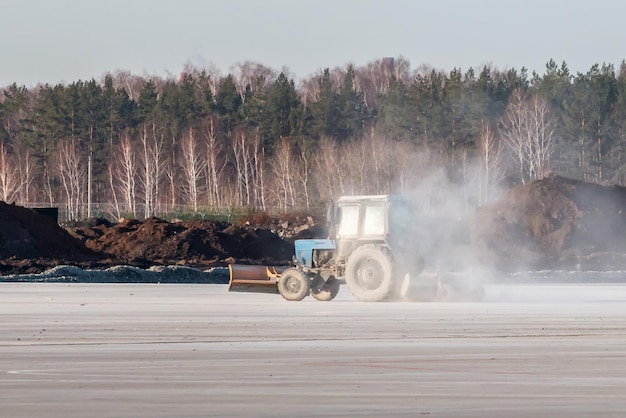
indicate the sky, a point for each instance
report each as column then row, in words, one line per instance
column 61, row 41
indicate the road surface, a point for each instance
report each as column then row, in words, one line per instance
column 111, row 350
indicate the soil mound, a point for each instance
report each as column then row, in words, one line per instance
column 195, row 243
column 27, row 235
column 555, row 223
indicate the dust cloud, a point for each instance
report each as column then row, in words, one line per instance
column 537, row 233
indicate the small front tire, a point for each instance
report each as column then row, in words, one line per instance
column 293, row 285
column 324, row 290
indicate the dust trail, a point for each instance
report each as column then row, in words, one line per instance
column 556, row 294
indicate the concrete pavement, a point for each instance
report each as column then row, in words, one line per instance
column 196, row 351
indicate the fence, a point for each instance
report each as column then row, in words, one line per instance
column 109, row 212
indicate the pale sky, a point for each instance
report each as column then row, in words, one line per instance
column 60, row 41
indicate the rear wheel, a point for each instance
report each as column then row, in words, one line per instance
column 369, row 273
column 324, row 290
column 293, row 284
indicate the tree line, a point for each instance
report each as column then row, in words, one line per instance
column 143, row 146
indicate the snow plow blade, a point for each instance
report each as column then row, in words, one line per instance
column 245, row 278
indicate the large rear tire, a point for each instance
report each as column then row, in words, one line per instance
column 369, row 273
column 324, row 290
column 293, row 285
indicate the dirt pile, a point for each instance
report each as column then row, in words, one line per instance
column 30, row 241
column 195, row 243
column 555, row 223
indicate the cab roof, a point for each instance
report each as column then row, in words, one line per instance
column 374, row 198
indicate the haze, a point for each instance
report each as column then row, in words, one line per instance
column 67, row 40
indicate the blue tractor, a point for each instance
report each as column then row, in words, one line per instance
column 370, row 246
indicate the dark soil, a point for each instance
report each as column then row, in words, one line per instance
column 555, row 223
column 33, row 243
column 195, row 243
column 30, row 243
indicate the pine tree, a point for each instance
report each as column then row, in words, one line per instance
column 281, row 111
column 148, row 100
column 228, row 103
column 324, row 110
column 618, row 150
column 393, row 118
column 352, row 111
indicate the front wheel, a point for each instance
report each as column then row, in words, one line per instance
column 369, row 273
column 293, row 285
column 324, row 290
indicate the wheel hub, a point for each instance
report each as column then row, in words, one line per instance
column 370, row 274
column 293, row 284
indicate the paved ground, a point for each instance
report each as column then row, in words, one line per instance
column 195, row 351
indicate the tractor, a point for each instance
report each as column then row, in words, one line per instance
column 371, row 247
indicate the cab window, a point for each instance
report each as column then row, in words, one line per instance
column 374, row 222
column 348, row 221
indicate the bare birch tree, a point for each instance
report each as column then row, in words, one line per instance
column 72, row 174
column 305, row 154
column 248, row 159
column 26, row 170
column 116, row 201
column 123, row 177
column 132, row 84
column 258, row 158
column 541, row 140
column 330, row 171
column 242, row 167
column 215, row 164
column 527, row 129
column 371, row 164
column 491, row 171
column 151, row 167
column 10, row 183
column 309, row 90
column 193, row 165
column 283, row 169
column 252, row 74
column 513, row 131
column 171, row 173
column 381, row 164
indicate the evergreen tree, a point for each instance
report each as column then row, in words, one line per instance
column 253, row 110
column 394, row 117
column 282, row 110
column 205, row 94
column 92, row 132
column 324, row 111
column 228, row 104
column 427, row 93
column 456, row 106
column 618, row 150
column 352, row 111
column 14, row 110
column 148, row 101
column 601, row 100
column 119, row 112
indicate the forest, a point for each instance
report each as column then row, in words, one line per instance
column 254, row 138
